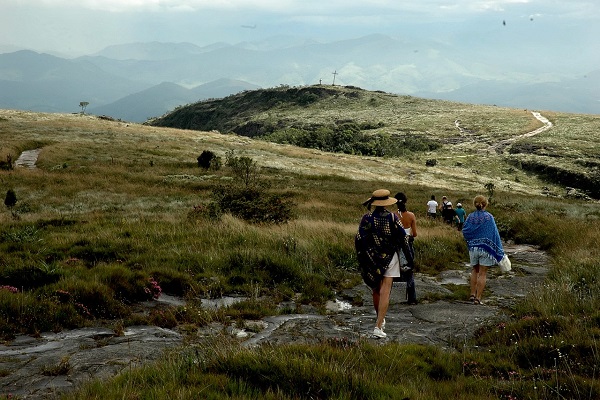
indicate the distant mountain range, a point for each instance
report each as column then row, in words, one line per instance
column 138, row 81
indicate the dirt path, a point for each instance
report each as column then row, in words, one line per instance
column 501, row 146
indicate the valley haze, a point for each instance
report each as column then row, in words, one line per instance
column 136, row 60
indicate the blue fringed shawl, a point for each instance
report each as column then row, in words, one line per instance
column 480, row 230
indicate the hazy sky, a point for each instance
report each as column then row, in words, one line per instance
column 75, row 27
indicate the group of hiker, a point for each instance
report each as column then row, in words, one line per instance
column 385, row 252
column 452, row 216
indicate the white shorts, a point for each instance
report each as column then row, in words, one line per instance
column 479, row 256
column 393, row 270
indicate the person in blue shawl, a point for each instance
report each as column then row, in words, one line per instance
column 485, row 248
column 379, row 238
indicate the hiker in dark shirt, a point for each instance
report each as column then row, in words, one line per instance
column 448, row 213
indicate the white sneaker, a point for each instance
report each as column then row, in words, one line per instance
column 379, row 333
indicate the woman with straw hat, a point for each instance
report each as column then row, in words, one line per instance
column 379, row 238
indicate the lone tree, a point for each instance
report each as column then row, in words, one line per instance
column 83, row 106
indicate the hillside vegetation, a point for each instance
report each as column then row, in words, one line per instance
column 455, row 136
column 115, row 214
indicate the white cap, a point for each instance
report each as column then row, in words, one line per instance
column 458, row 205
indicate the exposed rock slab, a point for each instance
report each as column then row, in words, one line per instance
column 28, row 158
column 35, row 364
column 99, row 353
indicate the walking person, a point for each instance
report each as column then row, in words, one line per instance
column 448, row 213
column 432, row 206
column 485, row 248
column 379, row 239
column 460, row 216
column 409, row 223
column 444, row 203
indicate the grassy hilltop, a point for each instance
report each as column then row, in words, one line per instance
column 116, row 213
column 411, row 131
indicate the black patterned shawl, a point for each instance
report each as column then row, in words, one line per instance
column 380, row 235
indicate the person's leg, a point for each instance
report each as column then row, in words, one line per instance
column 376, row 297
column 411, row 292
column 385, row 289
column 481, row 278
column 473, row 281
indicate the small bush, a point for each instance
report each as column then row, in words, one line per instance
column 253, row 204
column 8, row 164
column 11, row 198
column 209, row 160
column 244, row 169
column 30, row 276
column 130, row 286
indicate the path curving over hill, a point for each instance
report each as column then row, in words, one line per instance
column 501, row 146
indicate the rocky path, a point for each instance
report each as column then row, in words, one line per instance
column 28, row 158
column 429, row 322
column 41, row 368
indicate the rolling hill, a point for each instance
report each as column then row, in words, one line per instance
column 352, row 120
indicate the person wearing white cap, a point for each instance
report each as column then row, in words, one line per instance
column 448, row 213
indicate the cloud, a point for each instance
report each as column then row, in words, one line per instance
column 89, row 25
column 282, row 6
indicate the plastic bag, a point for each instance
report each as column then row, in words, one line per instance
column 505, row 264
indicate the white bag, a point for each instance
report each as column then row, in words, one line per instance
column 504, row 264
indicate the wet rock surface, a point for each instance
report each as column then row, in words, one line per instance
column 44, row 367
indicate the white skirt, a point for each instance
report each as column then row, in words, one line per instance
column 393, row 270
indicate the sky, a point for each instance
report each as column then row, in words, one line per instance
column 73, row 28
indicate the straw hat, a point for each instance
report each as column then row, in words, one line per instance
column 381, row 197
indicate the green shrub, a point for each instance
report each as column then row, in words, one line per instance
column 252, row 204
column 209, row 160
column 11, row 198
column 91, row 298
column 28, row 277
column 128, row 286
column 28, row 313
column 172, row 281
column 95, row 252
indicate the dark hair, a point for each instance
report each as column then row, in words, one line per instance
column 402, row 199
column 433, row 197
